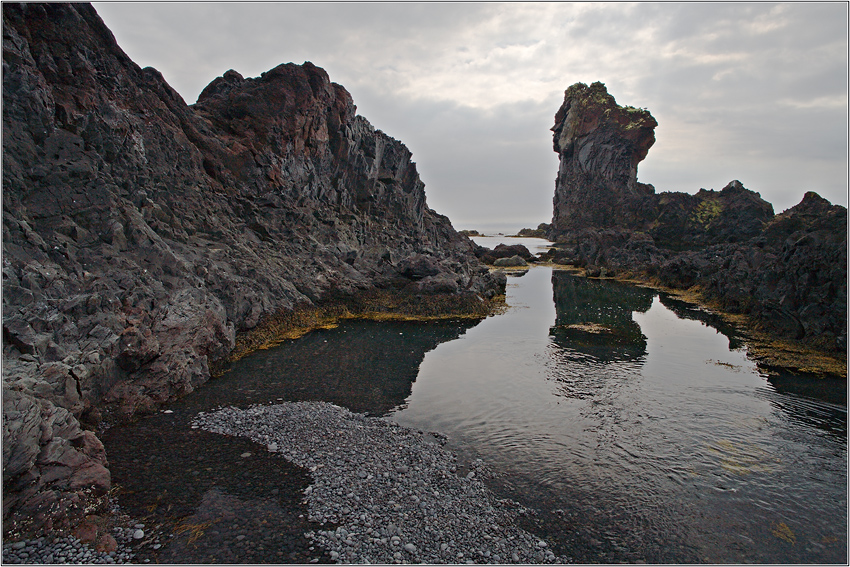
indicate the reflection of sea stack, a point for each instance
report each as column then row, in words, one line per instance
column 787, row 271
column 595, row 317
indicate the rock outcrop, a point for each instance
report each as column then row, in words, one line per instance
column 542, row 231
column 787, row 271
column 142, row 236
column 502, row 251
column 600, row 145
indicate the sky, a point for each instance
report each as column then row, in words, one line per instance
column 750, row 91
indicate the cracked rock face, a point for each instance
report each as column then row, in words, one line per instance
column 141, row 234
column 600, row 145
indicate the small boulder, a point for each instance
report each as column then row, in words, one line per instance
column 440, row 283
column 106, row 544
column 86, row 532
column 512, row 262
column 418, row 266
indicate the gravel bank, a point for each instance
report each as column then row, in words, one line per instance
column 388, row 494
column 68, row 549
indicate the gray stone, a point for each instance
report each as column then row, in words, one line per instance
column 512, row 262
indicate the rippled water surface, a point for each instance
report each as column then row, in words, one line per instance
column 637, row 432
column 634, row 424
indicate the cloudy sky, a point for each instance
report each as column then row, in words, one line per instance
column 749, row 91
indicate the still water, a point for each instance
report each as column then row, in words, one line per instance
column 633, row 424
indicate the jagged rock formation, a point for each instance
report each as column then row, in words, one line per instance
column 789, row 271
column 142, row 235
column 600, row 144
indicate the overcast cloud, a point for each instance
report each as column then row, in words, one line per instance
column 755, row 92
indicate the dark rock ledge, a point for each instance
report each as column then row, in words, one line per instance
column 143, row 239
column 782, row 276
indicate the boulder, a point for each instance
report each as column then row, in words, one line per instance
column 503, row 251
column 788, row 271
column 512, row 262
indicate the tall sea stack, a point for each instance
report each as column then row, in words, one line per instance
column 600, row 145
column 142, row 237
column 787, row 271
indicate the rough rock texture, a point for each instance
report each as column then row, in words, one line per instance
column 542, row 231
column 789, row 271
column 600, row 144
column 141, row 235
column 502, row 251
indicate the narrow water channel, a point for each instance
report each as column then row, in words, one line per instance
column 634, row 424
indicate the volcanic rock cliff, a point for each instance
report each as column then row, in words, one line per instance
column 143, row 236
column 787, row 271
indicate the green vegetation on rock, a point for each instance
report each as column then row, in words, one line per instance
column 706, row 212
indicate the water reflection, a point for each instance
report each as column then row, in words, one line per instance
column 365, row 366
column 594, row 317
column 684, row 310
column 650, row 442
column 637, row 429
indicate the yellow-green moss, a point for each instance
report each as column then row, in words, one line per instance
column 376, row 305
column 706, row 212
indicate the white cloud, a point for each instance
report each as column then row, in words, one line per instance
column 752, row 91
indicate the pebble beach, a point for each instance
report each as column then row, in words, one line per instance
column 383, row 493
column 380, row 493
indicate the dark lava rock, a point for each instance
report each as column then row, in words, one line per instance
column 513, row 261
column 141, row 235
column 501, row 251
column 542, row 231
column 789, row 271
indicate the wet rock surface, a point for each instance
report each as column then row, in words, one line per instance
column 99, row 540
column 385, row 494
column 787, row 271
column 142, row 236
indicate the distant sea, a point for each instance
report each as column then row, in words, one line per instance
column 493, row 229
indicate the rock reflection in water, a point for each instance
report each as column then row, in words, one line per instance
column 365, row 366
column 656, row 441
column 594, row 317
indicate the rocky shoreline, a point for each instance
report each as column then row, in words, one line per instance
column 114, row 547
column 146, row 240
column 785, row 273
column 387, row 494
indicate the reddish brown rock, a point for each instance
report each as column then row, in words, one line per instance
column 141, row 234
column 86, row 531
column 106, row 544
